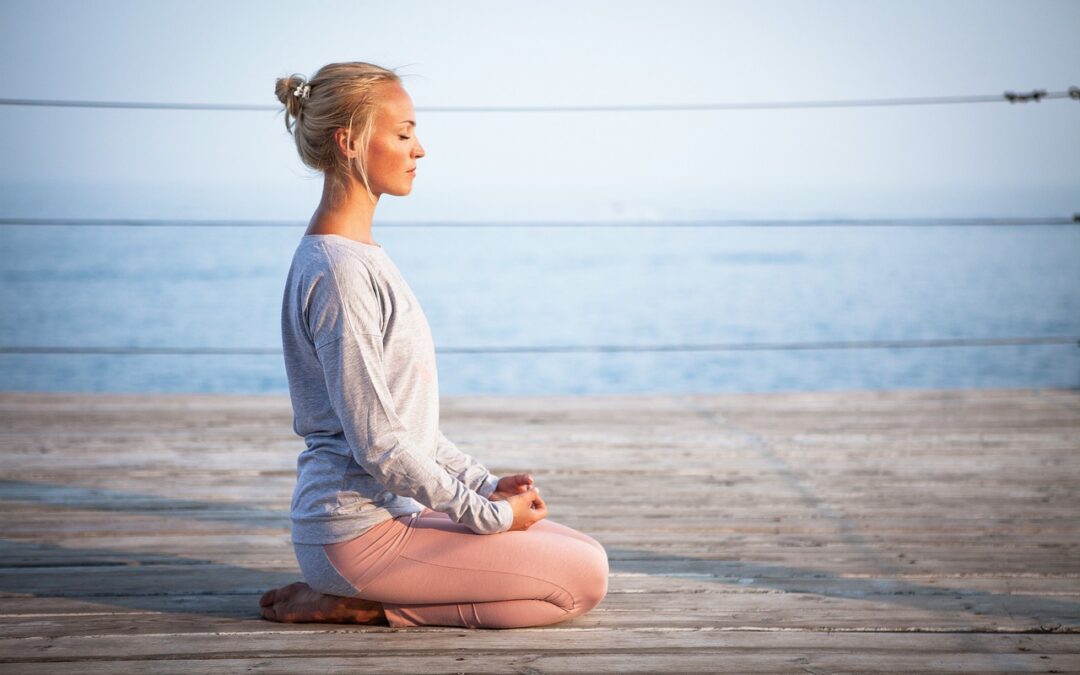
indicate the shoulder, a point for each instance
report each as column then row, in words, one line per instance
column 327, row 266
column 347, row 262
column 341, row 287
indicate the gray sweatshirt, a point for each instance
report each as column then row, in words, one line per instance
column 365, row 395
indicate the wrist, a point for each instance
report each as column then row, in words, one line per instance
column 506, row 515
column 490, row 484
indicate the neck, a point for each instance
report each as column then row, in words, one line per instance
column 348, row 213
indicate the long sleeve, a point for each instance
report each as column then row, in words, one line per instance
column 464, row 467
column 344, row 322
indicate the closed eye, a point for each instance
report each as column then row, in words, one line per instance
column 404, row 138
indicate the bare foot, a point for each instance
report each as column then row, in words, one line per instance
column 299, row 603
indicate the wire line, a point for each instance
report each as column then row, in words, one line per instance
column 777, row 222
column 567, row 349
column 1007, row 97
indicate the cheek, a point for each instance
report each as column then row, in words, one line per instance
column 386, row 154
column 379, row 147
column 376, row 153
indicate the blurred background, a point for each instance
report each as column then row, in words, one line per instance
column 617, row 197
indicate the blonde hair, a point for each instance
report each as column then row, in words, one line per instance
column 341, row 95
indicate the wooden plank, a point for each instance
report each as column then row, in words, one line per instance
column 821, row 610
column 728, row 660
column 723, row 561
column 834, row 650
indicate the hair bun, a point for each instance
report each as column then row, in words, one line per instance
column 285, row 89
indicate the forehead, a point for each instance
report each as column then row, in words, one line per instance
column 395, row 106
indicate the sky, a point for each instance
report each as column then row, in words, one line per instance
column 996, row 160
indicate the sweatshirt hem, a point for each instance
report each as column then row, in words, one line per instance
column 309, row 531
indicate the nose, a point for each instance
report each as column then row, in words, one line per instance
column 418, row 151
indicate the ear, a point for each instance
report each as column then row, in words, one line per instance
column 340, row 142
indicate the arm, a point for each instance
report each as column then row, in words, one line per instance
column 345, row 328
column 465, row 467
column 381, row 444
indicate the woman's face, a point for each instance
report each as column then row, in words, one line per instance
column 394, row 148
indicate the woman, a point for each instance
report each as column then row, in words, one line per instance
column 391, row 523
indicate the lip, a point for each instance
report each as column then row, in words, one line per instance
column 412, row 171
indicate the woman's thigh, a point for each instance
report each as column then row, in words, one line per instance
column 559, row 528
column 545, row 524
column 442, row 561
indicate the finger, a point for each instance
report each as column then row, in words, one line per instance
column 525, row 496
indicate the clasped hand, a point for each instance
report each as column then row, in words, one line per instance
column 524, row 497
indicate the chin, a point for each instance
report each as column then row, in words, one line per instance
column 397, row 190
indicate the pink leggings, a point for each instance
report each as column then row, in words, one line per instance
column 427, row 570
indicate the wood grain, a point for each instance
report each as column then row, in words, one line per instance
column 911, row 531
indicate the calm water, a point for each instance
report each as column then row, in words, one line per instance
column 556, row 286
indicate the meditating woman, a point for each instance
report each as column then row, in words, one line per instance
column 391, row 522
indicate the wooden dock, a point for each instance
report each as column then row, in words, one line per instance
column 810, row 533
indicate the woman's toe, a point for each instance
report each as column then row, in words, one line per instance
column 268, row 613
column 267, row 598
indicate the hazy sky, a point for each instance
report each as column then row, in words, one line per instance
column 975, row 159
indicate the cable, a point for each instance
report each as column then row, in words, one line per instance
column 567, row 349
column 816, row 222
column 1009, row 96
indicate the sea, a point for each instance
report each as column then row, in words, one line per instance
column 563, row 308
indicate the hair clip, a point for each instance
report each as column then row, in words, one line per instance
column 302, row 91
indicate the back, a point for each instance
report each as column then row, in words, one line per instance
column 335, row 498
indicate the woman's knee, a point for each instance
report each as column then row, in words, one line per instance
column 592, row 578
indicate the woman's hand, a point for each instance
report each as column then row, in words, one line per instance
column 529, row 508
column 511, row 485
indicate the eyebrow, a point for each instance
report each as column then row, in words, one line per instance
column 409, row 122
